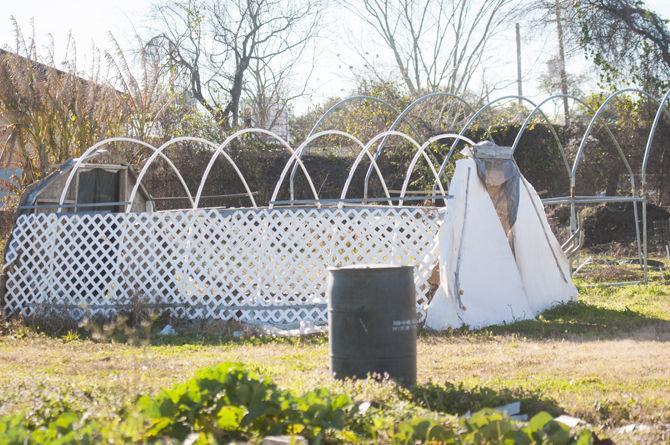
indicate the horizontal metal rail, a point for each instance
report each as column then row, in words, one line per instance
column 359, row 200
column 590, row 199
column 230, row 195
column 410, row 192
column 75, row 205
column 614, row 284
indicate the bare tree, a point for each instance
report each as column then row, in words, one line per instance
column 435, row 44
column 267, row 96
column 148, row 92
column 214, row 46
column 273, row 85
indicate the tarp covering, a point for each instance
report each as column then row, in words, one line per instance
column 500, row 175
column 499, row 260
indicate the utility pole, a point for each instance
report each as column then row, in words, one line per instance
column 561, row 61
column 519, row 82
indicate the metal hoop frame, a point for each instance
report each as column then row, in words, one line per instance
column 295, row 160
column 341, row 103
column 297, row 155
column 400, row 118
column 94, row 151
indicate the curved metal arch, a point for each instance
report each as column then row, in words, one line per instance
column 479, row 112
column 420, row 151
column 298, row 156
column 330, row 110
column 652, row 133
column 645, row 162
column 573, row 216
column 167, row 144
column 354, row 166
column 344, row 101
column 399, row 119
column 589, row 128
column 234, row 136
column 528, row 119
column 641, row 243
column 91, row 151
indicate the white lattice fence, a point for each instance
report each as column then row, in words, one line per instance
column 259, row 265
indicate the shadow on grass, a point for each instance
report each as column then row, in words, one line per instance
column 457, row 399
column 146, row 331
column 247, row 339
column 577, row 320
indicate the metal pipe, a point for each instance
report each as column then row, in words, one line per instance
column 298, row 153
column 340, row 103
column 644, row 236
column 643, row 186
column 93, row 151
column 360, row 200
column 528, row 119
column 614, row 284
column 652, row 133
column 590, row 199
column 582, row 146
column 569, row 241
column 164, row 147
column 332, row 109
column 565, row 160
column 399, row 119
column 75, row 205
column 230, row 195
column 421, row 151
column 234, row 136
column 479, row 113
column 589, row 128
column 366, row 150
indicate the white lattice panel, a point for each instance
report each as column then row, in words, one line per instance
column 254, row 265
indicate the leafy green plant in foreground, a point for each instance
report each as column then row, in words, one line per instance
column 229, row 402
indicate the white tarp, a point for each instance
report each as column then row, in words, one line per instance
column 482, row 280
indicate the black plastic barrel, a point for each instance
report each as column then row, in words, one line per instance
column 372, row 322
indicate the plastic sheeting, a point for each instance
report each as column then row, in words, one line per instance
column 500, row 175
column 499, row 262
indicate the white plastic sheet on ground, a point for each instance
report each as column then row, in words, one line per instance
column 482, row 280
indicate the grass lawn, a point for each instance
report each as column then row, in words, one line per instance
column 604, row 359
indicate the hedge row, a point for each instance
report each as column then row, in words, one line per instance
column 538, row 157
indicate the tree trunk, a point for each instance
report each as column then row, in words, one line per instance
column 233, row 108
column 43, row 160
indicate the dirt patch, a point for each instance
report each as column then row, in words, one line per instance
column 612, row 273
column 611, row 225
column 615, row 223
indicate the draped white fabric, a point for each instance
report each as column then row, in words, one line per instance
column 482, row 281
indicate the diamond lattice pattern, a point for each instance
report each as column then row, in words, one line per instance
column 253, row 265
